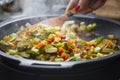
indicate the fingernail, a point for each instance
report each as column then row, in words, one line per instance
column 102, row 1
column 77, row 8
column 89, row 10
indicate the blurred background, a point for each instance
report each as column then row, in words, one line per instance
column 21, row 8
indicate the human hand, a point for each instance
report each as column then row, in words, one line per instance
column 83, row 6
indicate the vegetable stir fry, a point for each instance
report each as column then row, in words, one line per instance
column 40, row 42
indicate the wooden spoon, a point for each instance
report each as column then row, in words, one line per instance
column 59, row 20
column 56, row 21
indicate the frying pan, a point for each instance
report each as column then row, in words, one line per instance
column 54, row 70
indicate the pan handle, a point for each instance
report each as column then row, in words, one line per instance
column 43, row 64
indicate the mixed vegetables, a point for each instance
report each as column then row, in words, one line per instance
column 40, row 42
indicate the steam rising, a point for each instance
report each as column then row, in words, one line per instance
column 35, row 8
column 43, row 7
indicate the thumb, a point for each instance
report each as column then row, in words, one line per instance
column 82, row 4
column 71, row 5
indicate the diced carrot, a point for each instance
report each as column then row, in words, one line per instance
column 64, row 56
column 41, row 44
column 59, row 35
column 88, row 54
column 23, row 32
column 49, row 41
column 72, row 30
column 14, row 42
column 75, row 41
column 62, row 53
column 38, row 46
column 85, row 43
column 60, row 50
column 7, row 38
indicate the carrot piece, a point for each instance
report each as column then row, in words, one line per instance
column 60, row 51
column 85, row 43
column 14, row 42
column 7, row 38
column 59, row 35
column 38, row 46
column 72, row 30
column 49, row 41
column 75, row 41
column 41, row 44
column 88, row 54
column 64, row 56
